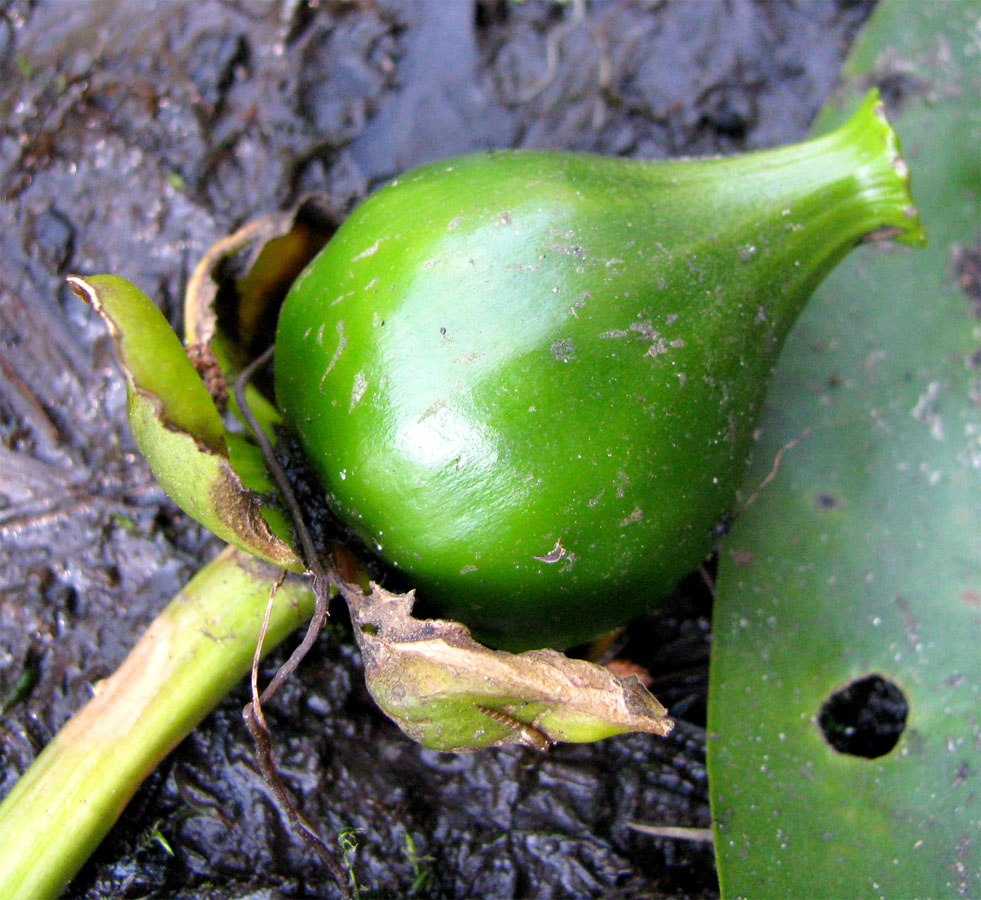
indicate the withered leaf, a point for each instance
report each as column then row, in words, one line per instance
column 448, row 692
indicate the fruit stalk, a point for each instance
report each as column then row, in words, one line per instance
column 192, row 654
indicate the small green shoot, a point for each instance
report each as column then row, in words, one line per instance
column 153, row 835
column 22, row 687
column 26, row 68
column 125, row 522
column 348, row 839
column 422, row 880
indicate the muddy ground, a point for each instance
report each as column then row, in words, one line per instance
column 133, row 134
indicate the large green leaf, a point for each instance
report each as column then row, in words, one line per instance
column 861, row 558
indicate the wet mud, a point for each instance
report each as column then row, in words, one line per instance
column 132, row 136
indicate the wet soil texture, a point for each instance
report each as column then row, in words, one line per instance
column 133, row 134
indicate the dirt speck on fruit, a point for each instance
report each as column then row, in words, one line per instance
column 553, row 555
column 564, row 349
column 636, row 516
column 368, row 251
column 967, row 271
column 358, row 388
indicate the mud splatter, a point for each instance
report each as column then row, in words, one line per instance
column 564, row 350
column 370, row 251
column 636, row 516
column 553, row 555
column 358, row 389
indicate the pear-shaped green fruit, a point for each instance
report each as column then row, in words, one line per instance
column 530, row 380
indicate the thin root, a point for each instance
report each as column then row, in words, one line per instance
column 255, row 721
column 776, row 467
column 552, row 46
column 267, row 765
column 257, row 656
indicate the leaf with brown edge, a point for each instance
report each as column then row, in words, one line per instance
column 178, row 427
column 448, row 692
column 234, row 294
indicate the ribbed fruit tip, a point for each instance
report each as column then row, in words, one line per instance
column 870, row 135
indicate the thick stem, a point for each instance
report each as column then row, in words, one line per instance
column 193, row 653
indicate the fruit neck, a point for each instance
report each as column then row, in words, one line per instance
column 801, row 208
column 864, row 155
column 848, row 186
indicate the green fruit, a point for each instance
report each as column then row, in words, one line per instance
column 530, row 380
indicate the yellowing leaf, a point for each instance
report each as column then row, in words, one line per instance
column 177, row 425
column 448, row 692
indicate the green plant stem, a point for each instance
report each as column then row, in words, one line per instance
column 192, row 654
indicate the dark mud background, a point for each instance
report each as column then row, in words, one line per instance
column 133, row 135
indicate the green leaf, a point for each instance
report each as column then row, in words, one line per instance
column 861, row 558
column 178, row 427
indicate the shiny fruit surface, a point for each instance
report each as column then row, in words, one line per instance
column 530, row 380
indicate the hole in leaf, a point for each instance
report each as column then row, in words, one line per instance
column 865, row 718
column 967, row 270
